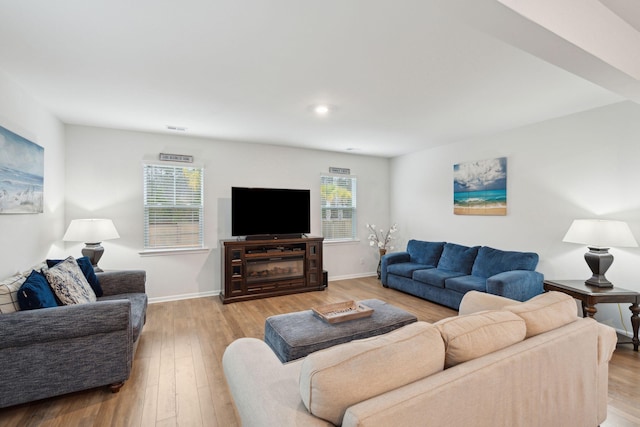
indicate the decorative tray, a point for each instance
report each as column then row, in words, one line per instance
column 342, row 311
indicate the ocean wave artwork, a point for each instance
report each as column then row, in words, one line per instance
column 21, row 174
column 480, row 187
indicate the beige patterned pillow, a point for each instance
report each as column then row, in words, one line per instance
column 474, row 335
column 40, row 267
column 9, row 293
column 69, row 284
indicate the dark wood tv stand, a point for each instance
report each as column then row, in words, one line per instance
column 264, row 268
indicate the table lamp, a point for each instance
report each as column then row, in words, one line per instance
column 92, row 232
column 599, row 235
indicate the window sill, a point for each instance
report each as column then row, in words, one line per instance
column 342, row 242
column 173, row 251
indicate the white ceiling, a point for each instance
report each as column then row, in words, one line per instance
column 402, row 75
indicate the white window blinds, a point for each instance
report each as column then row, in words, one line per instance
column 338, row 204
column 173, row 207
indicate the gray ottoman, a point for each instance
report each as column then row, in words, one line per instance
column 295, row 335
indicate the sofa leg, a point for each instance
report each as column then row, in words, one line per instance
column 116, row 387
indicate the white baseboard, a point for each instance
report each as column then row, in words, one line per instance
column 352, row 276
column 628, row 334
column 184, row 296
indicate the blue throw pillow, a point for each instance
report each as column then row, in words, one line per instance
column 427, row 253
column 35, row 292
column 87, row 270
column 458, row 258
column 490, row 261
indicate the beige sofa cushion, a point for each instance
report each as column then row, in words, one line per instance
column 545, row 312
column 332, row 380
column 474, row 301
column 471, row 336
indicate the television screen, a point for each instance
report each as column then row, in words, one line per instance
column 269, row 211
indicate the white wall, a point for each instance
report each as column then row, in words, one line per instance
column 104, row 179
column 582, row 166
column 27, row 239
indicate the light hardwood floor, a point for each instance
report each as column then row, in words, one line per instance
column 177, row 378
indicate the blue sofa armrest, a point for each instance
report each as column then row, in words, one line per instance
column 519, row 285
column 392, row 258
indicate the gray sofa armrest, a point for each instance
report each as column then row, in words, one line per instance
column 392, row 258
column 519, row 285
column 27, row 327
column 122, row 281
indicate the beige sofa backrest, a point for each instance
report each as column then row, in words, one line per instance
column 534, row 382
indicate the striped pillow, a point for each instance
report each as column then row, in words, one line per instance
column 9, row 293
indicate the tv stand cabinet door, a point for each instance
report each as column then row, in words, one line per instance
column 314, row 264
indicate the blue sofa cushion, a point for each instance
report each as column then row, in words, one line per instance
column 435, row 276
column 406, row 269
column 491, row 261
column 465, row 284
column 87, row 269
column 35, row 293
column 458, row 258
column 427, row 253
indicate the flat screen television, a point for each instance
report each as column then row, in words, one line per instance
column 270, row 212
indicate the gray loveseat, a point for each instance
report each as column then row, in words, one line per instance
column 444, row 272
column 53, row 351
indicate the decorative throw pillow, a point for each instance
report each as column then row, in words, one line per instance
column 458, row 258
column 87, row 269
column 38, row 267
column 35, row 293
column 474, row 335
column 9, row 293
column 490, row 261
column 69, row 284
column 332, row 380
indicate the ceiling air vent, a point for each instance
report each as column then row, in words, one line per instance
column 176, row 158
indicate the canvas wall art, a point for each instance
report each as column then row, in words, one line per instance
column 21, row 174
column 480, row 188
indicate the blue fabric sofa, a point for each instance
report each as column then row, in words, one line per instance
column 443, row 272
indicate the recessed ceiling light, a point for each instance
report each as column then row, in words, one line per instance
column 321, row 109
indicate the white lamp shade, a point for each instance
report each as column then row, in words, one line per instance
column 90, row 231
column 600, row 233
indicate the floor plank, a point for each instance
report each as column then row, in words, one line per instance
column 177, row 377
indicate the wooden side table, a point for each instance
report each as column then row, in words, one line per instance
column 592, row 295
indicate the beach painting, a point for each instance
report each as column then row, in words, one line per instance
column 21, row 174
column 480, row 187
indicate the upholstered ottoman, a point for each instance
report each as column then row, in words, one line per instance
column 295, row 335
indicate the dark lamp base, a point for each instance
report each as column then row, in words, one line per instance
column 599, row 260
column 600, row 282
column 94, row 252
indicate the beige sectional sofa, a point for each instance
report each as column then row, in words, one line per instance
column 499, row 363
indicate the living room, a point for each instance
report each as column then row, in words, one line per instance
column 576, row 162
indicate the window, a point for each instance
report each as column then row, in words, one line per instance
column 338, row 204
column 173, row 207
